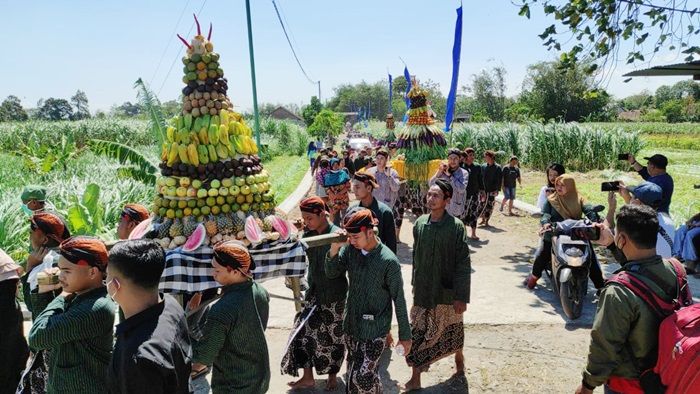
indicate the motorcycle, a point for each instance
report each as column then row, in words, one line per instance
column 572, row 256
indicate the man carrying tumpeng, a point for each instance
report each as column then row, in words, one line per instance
column 375, row 281
column 441, row 286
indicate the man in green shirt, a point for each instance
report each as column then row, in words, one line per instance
column 375, row 281
column 624, row 337
column 78, row 326
column 319, row 341
column 233, row 337
column 363, row 185
column 441, row 285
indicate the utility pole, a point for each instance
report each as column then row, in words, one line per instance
column 252, row 74
column 319, row 90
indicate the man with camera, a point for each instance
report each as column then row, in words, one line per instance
column 655, row 172
column 649, row 194
column 624, row 337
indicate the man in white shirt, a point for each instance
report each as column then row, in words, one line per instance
column 647, row 193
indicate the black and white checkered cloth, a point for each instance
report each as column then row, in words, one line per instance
column 191, row 272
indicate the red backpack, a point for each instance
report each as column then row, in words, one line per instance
column 678, row 361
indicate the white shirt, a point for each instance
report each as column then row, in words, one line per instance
column 542, row 198
column 663, row 248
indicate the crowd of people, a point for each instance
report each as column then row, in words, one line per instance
column 75, row 289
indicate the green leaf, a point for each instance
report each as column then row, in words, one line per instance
column 525, row 11
column 152, row 105
column 124, row 154
column 78, row 218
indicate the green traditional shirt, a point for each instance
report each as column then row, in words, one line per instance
column 79, row 331
column 624, row 322
column 441, row 262
column 234, row 342
column 321, row 287
column 375, row 280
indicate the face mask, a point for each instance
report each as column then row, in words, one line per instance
column 115, row 293
column 26, row 210
column 618, row 254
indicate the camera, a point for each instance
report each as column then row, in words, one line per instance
column 610, row 186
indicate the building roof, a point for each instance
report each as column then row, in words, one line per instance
column 283, row 113
column 680, row 69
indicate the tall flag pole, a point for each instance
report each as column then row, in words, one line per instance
column 456, row 51
column 391, row 87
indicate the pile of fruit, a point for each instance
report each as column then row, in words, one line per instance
column 213, row 187
column 420, row 139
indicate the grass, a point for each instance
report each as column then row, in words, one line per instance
column 683, row 167
column 286, row 173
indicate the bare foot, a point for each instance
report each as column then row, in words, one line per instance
column 302, row 384
column 411, row 385
column 331, row 383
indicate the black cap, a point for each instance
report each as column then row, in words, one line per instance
column 658, row 160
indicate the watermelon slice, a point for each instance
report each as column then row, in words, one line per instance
column 253, row 232
column 142, row 229
column 196, row 239
column 283, row 227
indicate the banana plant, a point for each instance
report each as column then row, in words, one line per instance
column 42, row 158
column 134, row 164
column 85, row 214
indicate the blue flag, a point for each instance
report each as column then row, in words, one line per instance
column 408, row 88
column 456, row 51
column 391, row 87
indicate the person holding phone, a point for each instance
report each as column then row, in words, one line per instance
column 655, row 172
column 564, row 203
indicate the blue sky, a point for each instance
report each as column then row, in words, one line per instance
column 53, row 48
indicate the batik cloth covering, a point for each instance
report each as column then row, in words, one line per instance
column 487, row 206
column 320, row 343
column 471, row 211
column 36, row 376
column 436, row 333
column 415, row 199
column 338, row 197
column 363, row 364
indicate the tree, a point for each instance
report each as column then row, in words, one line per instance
column 370, row 97
column 11, row 110
column 599, row 27
column 55, row 109
column 641, row 100
column 127, row 109
column 310, row 111
column 565, row 94
column 171, row 108
column 327, row 123
column 488, row 89
column 80, row 106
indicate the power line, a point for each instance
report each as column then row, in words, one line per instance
column 170, row 40
column 284, row 29
column 177, row 57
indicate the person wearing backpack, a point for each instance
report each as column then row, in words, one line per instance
column 625, row 334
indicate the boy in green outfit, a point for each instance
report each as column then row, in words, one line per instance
column 77, row 326
column 375, row 281
column 233, row 337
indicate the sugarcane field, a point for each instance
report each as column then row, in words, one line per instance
column 362, row 197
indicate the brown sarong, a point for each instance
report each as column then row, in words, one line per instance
column 436, row 333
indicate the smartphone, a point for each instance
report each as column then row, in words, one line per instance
column 585, row 233
column 610, row 186
column 623, row 156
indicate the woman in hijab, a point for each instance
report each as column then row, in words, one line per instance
column 565, row 203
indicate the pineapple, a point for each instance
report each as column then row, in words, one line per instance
column 176, row 228
column 164, row 228
column 224, row 223
column 238, row 223
column 267, row 223
column 189, row 224
column 210, row 225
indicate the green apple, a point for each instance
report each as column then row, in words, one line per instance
column 196, row 212
column 255, row 206
column 172, row 191
column 215, row 184
column 191, row 203
column 254, row 188
column 211, row 201
column 170, row 182
column 221, row 200
column 226, row 182
column 162, row 211
column 245, row 207
column 223, row 191
column 245, row 190
column 249, row 180
column 225, row 208
column 257, row 198
column 206, row 210
column 185, row 182
column 160, row 181
column 197, row 184
column 235, row 207
column 230, row 199
column 191, row 192
column 239, row 181
column 213, row 192
column 202, row 193
column 201, row 202
column 234, row 190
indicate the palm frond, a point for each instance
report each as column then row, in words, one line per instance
column 125, row 155
column 149, row 101
column 138, row 174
